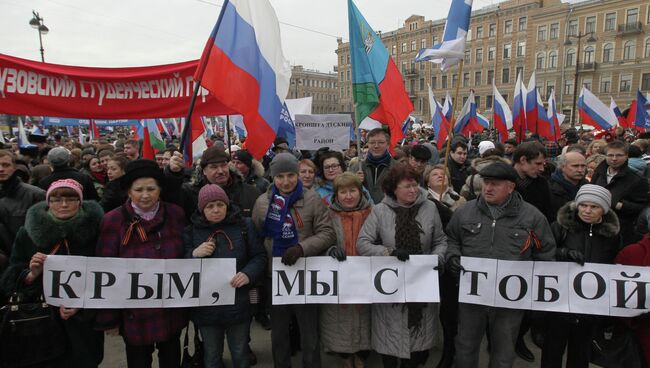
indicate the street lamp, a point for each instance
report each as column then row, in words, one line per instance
column 37, row 23
column 579, row 37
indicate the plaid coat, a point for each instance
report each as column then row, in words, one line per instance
column 164, row 240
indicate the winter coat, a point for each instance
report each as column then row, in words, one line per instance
column 59, row 173
column 164, row 240
column 538, row 193
column 628, row 188
column 16, row 198
column 473, row 184
column 315, row 231
column 560, row 193
column 256, row 177
column 389, row 326
column 599, row 243
column 113, row 196
column 246, row 249
column 458, row 173
column 473, row 232
column 373, row 176
column 345, row 328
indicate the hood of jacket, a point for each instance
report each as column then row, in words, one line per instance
column 567, row 217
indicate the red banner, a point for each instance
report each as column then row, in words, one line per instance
column 163, row 91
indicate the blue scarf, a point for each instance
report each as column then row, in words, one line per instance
column 376, row 161
column 279, row 224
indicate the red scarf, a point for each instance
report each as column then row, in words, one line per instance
column 351, row 223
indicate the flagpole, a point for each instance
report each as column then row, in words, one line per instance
column 201, row 70
column 450, row 132
column 228, row 135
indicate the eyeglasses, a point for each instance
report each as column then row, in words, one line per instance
column 61, row 200
column 331, row 167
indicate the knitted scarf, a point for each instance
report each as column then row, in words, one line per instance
column 351, row 222
column 383, row 159
column 279, row 224
column 571, row 189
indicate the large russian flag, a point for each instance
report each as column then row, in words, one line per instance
column 467, row 119
column 244, row 68
column 544, row 125
column 595, row 113
column 502, row 114
column 532, row 110
column 519, row 108
column 553, row 118
column 438, row 120
column 622, row 121
column 377, row 85
column 447, row 107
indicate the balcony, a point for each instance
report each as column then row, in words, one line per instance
column 588, row 67
column 410, row 72
column 630, row 28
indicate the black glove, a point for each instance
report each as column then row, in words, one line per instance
column 401, row 254
column 292, row 254
column 441, row 265
column 454, row 267
column 337, row 253
column 575, row 256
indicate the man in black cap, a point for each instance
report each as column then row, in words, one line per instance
column 243, row 162
column 59, row 159
column 418, row 159
column 499, row 224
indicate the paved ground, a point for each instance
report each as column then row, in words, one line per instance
column 114, row 355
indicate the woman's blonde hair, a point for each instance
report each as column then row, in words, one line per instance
column 347, row 180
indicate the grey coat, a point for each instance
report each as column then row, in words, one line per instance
column 473, row 232
column 390, row 333
column 373, row 176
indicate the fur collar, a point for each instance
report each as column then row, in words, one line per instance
column 80, row 230
column 567, row 217
column 481, row 162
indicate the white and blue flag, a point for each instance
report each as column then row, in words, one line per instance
column 452, row 49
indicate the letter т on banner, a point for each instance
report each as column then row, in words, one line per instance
column 478, row 281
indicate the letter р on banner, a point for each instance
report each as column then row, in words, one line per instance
column 64, row 281
column 288, row 282
column 478, row 282
column 322, row 280
column 387, row 280
column 628, row 292
column 422, row 284
column 107, row 282
column 355, row 280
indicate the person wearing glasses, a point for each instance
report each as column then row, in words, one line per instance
column 63, row 224
column 332, row 165
column 629, row 190
column 372, row 170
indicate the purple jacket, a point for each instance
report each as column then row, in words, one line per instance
column 164, row 241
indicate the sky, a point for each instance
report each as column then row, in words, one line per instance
column 115, row 33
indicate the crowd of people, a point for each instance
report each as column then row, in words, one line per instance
column 581, row 199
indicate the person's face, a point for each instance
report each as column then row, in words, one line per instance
column 331, row 168
column 217, row 173
column 597, row 146
column 590, row 212
column 575, row 167
column 241, row 167
column 103, row 162
column 615, row 158
column 436, row 179
column 352, row 151
column 509, row 148
column 532, row 168
column 215, row 211
column 496, row 191
column 160, row 161
column 64, row 208
column 348, row 197
column 113, row 170
column 286, row 182
column 7, row 168
column 145, row 193
column 166, row 158
column 131, row 151
column 94, row 165
column 407, row 191
column 591, row 167
column 417, row 165
column 307, row 175
column 87, row 157
column 377, row 145
column 459, row 155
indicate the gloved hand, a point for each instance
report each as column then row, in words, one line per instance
column 454, row 267
column 337, row 253
column 401, row 254
column 575, row 256
column 292, row 254
column 441, row 265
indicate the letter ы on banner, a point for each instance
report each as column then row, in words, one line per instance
column 514, row 281
column 588, row 293
column 387, row 280
column 551, row 286
column 64, row 281
column 478, row 281
column 322, row 280
column 288, row 282
column 628, row 292
column 216, row 274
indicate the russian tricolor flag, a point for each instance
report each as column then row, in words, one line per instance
column 502, row 114
column 519, row 108
column 468, row 120
column 244, row 68
column 622, row 121
column 438, row 120
column 532, row 110
column 595, row 113
column 553, row 118
column 544, row 125
column 447, row 107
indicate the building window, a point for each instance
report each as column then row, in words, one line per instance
column 434, row 82
column 403, row 67
column 568, row 86
column 477, row 78
column 422, row 84
column 554, row 32
column 423, row 43
column 573, row 27
column 479, row 55
column 491, row 52
column 444, row 82
column 490, row 77
column 520, row 71
column 347, row 74
column 550, row 87
column 477, row 100
column 590, row 24
column 413, row 46
column 507, row 50
column 394, row 49
column 625, row 83
column 541, row 33
column 493, row 30
column 465, row 79
column 610, row 21
column 521, row 48
column 587, row 83
column 646, row 52
column 632, row 16
column 454, row 80
column 605, row 84
column 342, row 59
column 505, row 75
column 479, row 32
column 570, row 57
column 342, row 76
column 539, row 63
column 507, row 26
column 552, row 60
column 468, row 56
column 589, row 55
column 645, row 82
column 608, row 53
column 488, row 102
column 522, row 24
column 628, row 50
column 403, row 47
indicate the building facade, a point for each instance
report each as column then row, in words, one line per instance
column 322, row 87
column 608, row 49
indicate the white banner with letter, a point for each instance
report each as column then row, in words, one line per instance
column 317, row 131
